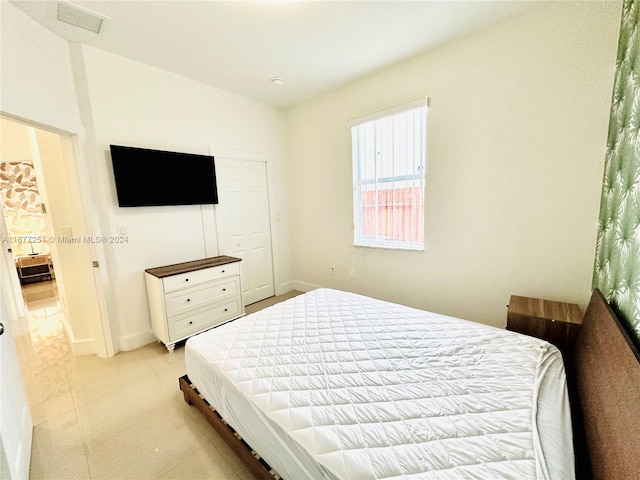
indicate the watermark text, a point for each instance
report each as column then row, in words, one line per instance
column 63, row 239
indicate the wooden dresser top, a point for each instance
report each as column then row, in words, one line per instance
column 185, row 267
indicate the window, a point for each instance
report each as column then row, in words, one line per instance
column 388, row 153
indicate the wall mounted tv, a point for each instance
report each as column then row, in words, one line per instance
column 146, row 178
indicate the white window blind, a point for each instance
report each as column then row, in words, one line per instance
column 388, row 153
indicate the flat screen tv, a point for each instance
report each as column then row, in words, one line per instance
column 146, row 178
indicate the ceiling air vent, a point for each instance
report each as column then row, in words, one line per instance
column 80, row 17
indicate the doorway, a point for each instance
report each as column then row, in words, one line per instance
column 45, row 213
column 26, row 233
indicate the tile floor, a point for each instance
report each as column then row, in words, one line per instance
column 116, row 418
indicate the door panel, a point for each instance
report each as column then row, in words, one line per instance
column 244, row 228
column 15, row 418
column 10, row 280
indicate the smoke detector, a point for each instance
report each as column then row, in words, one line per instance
column 80, row 17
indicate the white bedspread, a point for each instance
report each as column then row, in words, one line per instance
column 350, row 387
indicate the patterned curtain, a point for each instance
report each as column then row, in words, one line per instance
column 617, row 264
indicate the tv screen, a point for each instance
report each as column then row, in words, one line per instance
column 146, row 178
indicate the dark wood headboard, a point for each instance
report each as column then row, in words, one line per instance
column 608, row 380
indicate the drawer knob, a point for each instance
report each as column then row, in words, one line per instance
column 222, row 271
column 186, row 279
column 190, row 323
column 188, row 299
column 224, row 289
column 226, row 309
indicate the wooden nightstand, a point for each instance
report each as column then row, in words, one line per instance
column 555, row 322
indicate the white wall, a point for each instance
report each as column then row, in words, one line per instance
column 130, row 103
column 516, row 141
column 36, row 74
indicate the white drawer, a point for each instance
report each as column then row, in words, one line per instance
column 189, row 279
column 192, row 298
column 189, row 324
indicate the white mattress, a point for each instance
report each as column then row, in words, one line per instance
column 336, row 385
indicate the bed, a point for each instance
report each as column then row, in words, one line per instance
column 334, row 385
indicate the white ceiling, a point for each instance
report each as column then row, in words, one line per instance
column 241, row 45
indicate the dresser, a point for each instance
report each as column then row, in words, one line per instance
column 34, row 268
column 191, row 297
column 556, row 322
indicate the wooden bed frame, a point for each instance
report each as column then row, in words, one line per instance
column 604, row 386
column 250, row 457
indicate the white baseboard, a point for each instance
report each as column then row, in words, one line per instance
column 79, row 348
column 285, row 288
column 304, row 287
column 137, row 340
column 83, row 347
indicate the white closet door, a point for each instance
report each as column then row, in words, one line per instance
column 243, row 224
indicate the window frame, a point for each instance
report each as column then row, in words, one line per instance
column 376, row 240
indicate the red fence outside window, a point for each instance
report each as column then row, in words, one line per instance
column 395, row 214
